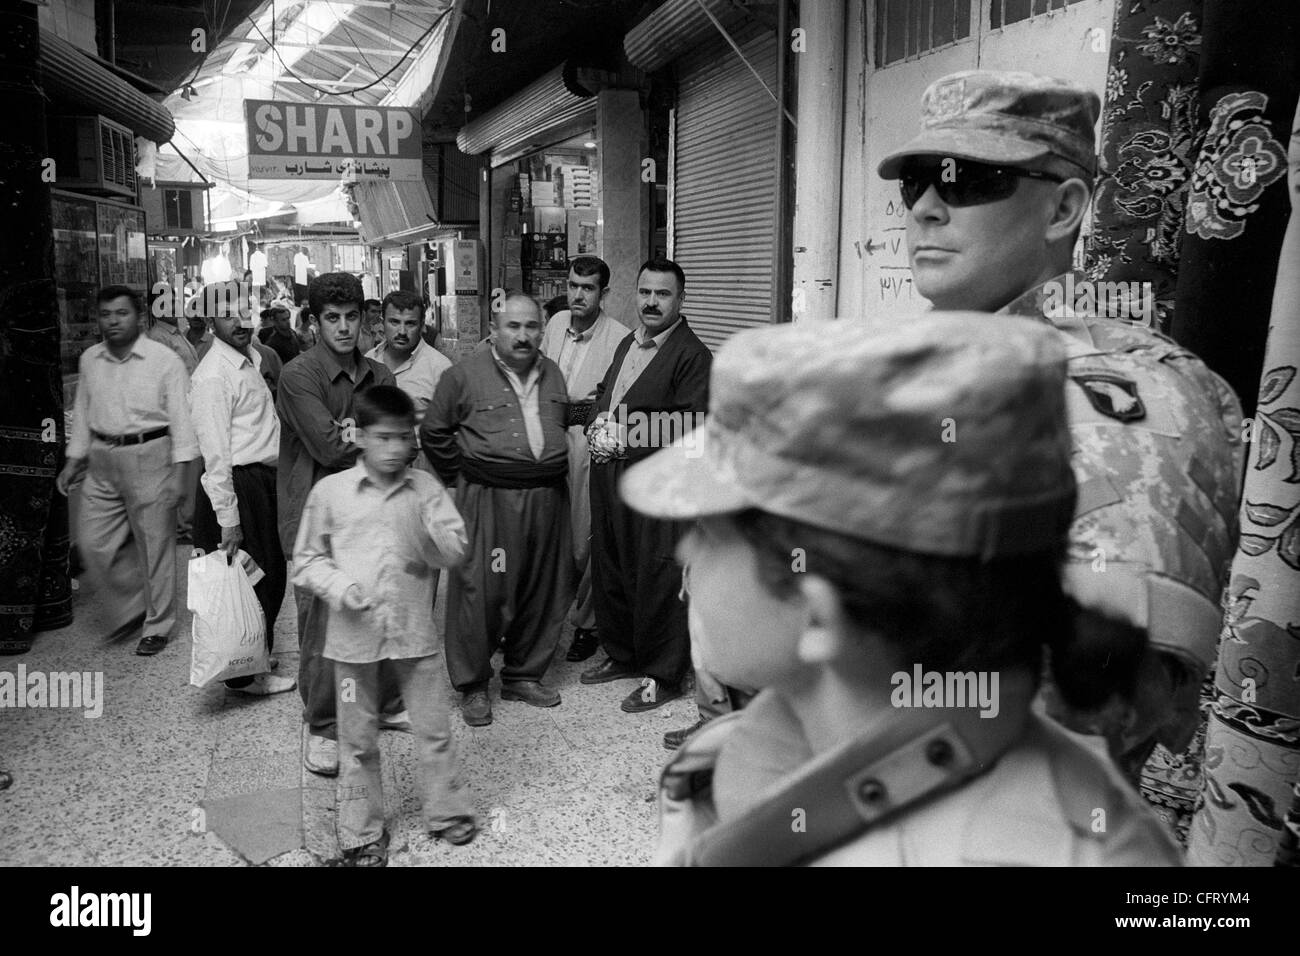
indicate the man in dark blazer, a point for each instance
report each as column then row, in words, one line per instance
column 656, row 390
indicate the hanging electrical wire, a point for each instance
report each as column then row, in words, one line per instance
column 360, row 89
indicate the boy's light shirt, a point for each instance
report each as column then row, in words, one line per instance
column 385, row 540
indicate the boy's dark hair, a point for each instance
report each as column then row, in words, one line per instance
column 664, row 265
column 334, row 288
column 951, row 613
column 111, row 292
column 591, row 266
column 403, row 300
column 369, row 302
column 383, row 401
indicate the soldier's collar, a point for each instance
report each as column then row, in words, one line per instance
column 915, row 754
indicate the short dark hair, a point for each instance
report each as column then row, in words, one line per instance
column 111, row 292
column 334, row 288
column 403, row 300
column 369, row 302
column 664, row 265
column 556, row 304
column 950, row 613
column 383, row 401
column 590, row 266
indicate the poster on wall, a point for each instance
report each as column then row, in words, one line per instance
column 465, row 255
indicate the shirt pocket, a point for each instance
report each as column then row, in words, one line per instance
column 493, row 415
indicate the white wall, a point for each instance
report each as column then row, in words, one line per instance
column 884, row 108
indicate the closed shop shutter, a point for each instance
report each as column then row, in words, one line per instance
column 724, row 188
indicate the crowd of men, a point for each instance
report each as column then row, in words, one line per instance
column 817, row 441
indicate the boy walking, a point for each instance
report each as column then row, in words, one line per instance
column 368, row 542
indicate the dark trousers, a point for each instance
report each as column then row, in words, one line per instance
column 255, row 492
column 516, row 583
column 635, row 582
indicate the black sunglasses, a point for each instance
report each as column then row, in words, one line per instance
column 964, row 183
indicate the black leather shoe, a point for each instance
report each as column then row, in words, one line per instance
column 675, row 738
column 583, row 646
column 150, row 645
column 649, row 695
column 606, row 671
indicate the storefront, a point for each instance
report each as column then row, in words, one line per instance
column 726, row 215
column 93, row 120
column 562, row 176
column 97, row 242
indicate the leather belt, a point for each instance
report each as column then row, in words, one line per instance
column 119, row 440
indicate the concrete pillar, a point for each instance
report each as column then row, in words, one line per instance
column 819, row 59
column 621, row 132
column 854, row 174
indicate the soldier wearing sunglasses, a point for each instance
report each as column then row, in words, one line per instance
column 997, row 185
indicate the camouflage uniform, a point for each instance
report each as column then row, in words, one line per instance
column 1158, row 458
column 843, row 431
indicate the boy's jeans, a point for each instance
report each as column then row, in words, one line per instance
column 427, row 695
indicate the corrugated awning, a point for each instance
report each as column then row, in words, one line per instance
column 390, row 211
column 678, row 26
column 69, row 74
column 549, row 102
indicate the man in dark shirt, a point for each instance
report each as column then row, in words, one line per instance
column 279, row 335
column 495, row 435
column 318, row 438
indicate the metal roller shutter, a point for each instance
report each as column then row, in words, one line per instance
column 724, row 190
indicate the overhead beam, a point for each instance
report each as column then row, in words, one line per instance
column 341, row 48
column 371, row 31
column 403, row 5
column 309, row 81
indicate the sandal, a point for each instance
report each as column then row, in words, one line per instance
column 372, row 854
column 459, row 833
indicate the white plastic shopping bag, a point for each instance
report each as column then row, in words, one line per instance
column 229, row 627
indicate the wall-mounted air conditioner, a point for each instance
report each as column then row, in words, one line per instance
column 94, row 154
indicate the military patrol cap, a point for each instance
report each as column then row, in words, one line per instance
column 1009, row 118
column 943, row 434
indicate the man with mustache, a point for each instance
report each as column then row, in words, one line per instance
column 239, row 437
column 660, row 368
column 416, row 364
column 582, row 339
column 318, row 438
column 495, row 435
column 132, row 439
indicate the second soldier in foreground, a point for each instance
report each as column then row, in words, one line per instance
column 852, row 564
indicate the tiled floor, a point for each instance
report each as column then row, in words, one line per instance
column 570, row 785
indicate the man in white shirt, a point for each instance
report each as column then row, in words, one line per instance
column 415, row 364
column 239, row 437
column 582, row 340
column 131, row 438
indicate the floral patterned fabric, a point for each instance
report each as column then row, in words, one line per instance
column 1189, row 199
column 1148, row 147
column 1236, row 204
